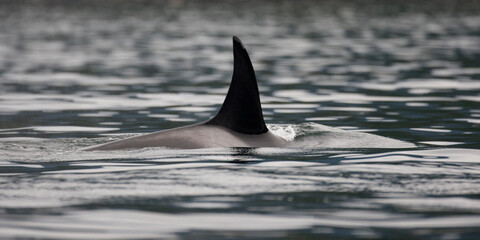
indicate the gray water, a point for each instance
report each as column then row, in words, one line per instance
column 78, row 73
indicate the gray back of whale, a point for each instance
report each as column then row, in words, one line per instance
column 238, row 123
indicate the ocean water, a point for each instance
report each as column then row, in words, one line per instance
column 78, row 73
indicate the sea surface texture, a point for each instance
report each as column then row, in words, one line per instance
column 333, row 75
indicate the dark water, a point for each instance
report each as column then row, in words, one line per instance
column 78, row 73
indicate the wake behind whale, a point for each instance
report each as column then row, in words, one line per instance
column 240, row 123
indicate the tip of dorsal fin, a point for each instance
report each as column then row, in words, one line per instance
column 241, row 111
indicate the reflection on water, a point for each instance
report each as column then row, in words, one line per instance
column 239, row 192
column 77, row 74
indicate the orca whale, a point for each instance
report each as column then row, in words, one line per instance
column 238, row 123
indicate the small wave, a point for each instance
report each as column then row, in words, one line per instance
column 314, row 135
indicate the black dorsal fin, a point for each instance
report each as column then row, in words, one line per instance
column 241, row 111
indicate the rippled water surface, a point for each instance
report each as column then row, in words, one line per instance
column 78, row 73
